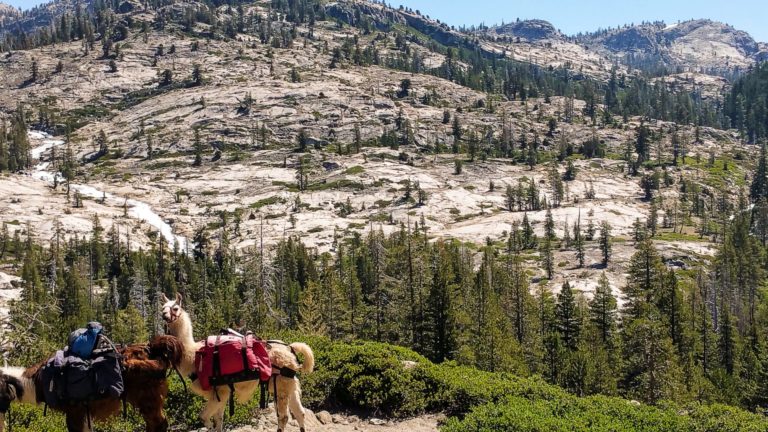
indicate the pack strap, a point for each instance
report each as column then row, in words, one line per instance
column 264, row 385
column 284, row 372
column 231, row 400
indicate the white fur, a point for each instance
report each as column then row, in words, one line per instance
column 288, row 389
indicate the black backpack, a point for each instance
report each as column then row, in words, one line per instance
column 69, row 379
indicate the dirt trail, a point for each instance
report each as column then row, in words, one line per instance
column 326, row 422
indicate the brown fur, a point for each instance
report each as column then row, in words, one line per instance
column 146, row 387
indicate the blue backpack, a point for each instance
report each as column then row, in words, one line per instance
column 82, row 341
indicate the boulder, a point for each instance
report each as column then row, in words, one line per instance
column 324, row 417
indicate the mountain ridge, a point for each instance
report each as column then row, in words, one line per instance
column 701, row 45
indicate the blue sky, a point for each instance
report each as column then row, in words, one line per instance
column 572, row 16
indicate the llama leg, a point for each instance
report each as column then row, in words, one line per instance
column 214, row 406
column 77, row 421
column 218, row 420
column 295, row 403
column 282, row 409
column 154, row 418
column 207, row 413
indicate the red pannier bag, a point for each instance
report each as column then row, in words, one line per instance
column 231, row 358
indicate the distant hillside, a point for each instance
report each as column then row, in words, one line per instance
column 8, row 13
column 702, row 46
column 697, row 45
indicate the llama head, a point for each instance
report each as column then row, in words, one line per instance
column 11, row 389
column 171, row 309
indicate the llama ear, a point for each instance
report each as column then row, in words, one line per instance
column 178, row 298
column 165, row 298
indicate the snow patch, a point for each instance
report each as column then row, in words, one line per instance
column 136, row 209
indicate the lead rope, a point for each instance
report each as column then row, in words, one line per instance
column 183, row 381
column 10, row 420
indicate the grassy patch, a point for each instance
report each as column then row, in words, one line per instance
column 336, row 184
column 166, row 164
column 675, row 236
column 267, row 201
column 355, row 170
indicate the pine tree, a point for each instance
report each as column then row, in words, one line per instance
column 570, row 172
column 602, row 310
column 302, row 173
column 3, row 148
column 32, row 288
column 759, row 187
column 643, row 143
column 578, row 242
column 605, row 242
column 726, row 342
column 644, row 283
column 310, row 311
column 547, row 258
column 150, row 147
column 198, row 149
column 650, row 371
column 166, row 78
column 19, row 157
column 509, row 198
column 439, row 307
column 567, row 317
column 590, row 233
column 549, row 225
column 34, row 74
column 653, row 219
column 528, row 234
column 197, row 75
column 129, row 326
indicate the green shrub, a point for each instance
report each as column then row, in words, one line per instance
column 601, row 414
column 454, row 389
column 368, row 376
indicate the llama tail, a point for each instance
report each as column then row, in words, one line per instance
column 168, row 348
column 309, row 357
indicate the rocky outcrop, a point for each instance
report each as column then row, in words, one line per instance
column 383, row 18
column 8, row 11
column 8, row 14
column 354, row 13
column 696, row 45
column 632, row 39
column 530, row 30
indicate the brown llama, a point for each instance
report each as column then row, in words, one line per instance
column 280, row 355
column 144, row 376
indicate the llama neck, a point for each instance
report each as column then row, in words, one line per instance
column 182, row 329
column 30, row 395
